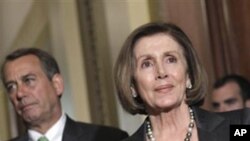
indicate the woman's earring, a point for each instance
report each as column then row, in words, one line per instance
column 189, row 85
column 133, row 92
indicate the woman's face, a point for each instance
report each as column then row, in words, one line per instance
column 161, row 72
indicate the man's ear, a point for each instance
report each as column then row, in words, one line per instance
column 58, row 84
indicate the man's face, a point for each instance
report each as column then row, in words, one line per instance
column 247, row 103
column 227, row 98
column 33, row 95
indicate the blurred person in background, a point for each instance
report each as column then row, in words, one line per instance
column 230, row 92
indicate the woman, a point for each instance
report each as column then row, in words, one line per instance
column 158, row 74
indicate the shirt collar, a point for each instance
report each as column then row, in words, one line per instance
column 55, row 133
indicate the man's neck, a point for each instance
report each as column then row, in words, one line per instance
column 43, row 126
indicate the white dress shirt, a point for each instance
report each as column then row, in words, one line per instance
column 55, row 133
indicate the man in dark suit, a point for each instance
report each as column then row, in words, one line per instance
column 34, row 85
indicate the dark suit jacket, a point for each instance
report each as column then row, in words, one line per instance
column 211, row 126
column 78, row 131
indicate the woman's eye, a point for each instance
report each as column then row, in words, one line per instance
column 171, row 60
column 146, row 64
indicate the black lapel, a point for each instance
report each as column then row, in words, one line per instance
column 72, row 131
column 25, row 137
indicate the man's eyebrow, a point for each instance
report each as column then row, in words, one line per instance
column 27, row 75
column 22, row 77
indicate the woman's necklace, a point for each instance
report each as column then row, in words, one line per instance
column 189, row 131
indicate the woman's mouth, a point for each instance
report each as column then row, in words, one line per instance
column 164, row 88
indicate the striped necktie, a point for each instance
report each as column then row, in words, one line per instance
column 43, row 138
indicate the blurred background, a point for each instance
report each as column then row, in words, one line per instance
column 86, row 35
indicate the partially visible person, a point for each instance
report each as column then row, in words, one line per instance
column 34, row 85
column 247, row 103
column 158, row 74
column 230, row 93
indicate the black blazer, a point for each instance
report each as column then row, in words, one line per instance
column 78, row 131
column 211, row 126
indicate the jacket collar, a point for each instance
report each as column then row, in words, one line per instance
column 72, row 131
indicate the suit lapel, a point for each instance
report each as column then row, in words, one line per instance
column 25, row 137
column 72, row 131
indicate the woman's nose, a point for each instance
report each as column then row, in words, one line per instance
column 161, row 72
column 161, row 76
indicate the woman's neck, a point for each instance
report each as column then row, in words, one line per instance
column 171, row 124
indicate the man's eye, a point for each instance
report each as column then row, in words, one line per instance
column 231, row 101
column 11, row 88
column 28, row 80
column 216, row 105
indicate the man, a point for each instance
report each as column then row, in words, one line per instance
column 230, row 93
column 247, row 103
column 34, row 85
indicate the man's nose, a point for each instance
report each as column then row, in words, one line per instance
column 21, row 91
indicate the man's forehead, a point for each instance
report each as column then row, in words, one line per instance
column 21, row 67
